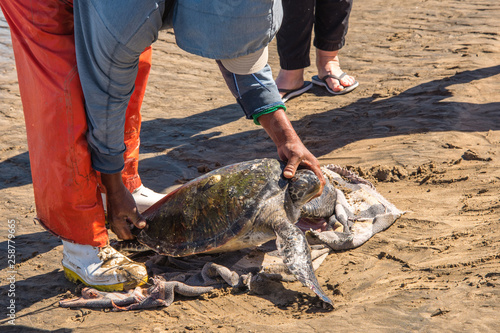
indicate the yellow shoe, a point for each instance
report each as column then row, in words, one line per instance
column 102, row 268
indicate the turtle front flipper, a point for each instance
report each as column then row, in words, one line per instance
column 342, row 213
column 294, row 250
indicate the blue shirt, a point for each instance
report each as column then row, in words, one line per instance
column 110, row 35
column 225, row 29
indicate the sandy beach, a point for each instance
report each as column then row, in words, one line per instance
column 423, row 126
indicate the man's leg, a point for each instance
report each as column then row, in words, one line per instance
column 294, row 43
column 143, row 196
column 330, row 28
column 130, row 173
column 67, row 197
column 65, row 186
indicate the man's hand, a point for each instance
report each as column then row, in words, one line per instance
column 290, row 147
column 121, row 207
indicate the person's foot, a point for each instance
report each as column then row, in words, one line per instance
column 103, row 268
column 291, row 83
column 290, row 79
column 145, row 198
column 328, row 63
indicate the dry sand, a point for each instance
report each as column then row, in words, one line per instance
column 424, row 125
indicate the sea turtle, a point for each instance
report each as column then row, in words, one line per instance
column 238, row 206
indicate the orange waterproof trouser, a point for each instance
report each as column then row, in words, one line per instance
column 67, row 195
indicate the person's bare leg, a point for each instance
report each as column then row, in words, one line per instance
column 290, row 79
column 327, row 62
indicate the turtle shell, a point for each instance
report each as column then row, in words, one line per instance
column 205, row 213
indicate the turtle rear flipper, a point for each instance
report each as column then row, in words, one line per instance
column 294, row 250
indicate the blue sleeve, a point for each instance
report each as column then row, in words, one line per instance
column 109, row 38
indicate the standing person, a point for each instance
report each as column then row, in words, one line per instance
column 82, row 66
column 330, row 19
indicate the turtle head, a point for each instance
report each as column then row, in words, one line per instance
column 303, row 187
